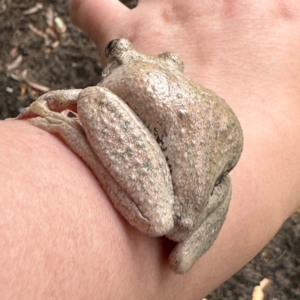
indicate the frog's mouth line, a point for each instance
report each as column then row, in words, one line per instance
column 109, row 69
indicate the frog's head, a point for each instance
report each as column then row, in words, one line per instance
column 120, row 52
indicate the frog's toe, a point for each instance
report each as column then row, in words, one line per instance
column 25, row 114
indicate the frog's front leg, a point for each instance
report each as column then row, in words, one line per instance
column 186, row 253
column 58, row 101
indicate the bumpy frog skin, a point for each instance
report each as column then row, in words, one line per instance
column 160, row 145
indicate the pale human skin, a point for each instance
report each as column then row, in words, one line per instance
column 72, row 243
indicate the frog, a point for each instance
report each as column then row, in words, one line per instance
column 160, row 145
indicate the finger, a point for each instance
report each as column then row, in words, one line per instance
column 99, row 19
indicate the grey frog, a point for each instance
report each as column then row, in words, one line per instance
column 160, row 145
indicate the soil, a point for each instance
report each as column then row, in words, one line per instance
column 40, row 56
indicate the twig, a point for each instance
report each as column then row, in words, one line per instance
column 34, row 85
column 33, row 9
column 15, row 64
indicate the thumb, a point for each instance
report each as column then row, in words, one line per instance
column 100, row 19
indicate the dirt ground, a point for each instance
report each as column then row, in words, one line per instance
column 36, row 55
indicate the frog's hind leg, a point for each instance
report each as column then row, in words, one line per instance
column 186, row 253
column 132, row 156
column 73, row 134
column 58, row 101
column 145, row 201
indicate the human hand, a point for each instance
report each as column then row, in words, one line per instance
column 249, row 54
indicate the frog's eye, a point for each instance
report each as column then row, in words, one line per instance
column 110, row 47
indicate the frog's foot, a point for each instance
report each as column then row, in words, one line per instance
column 40, row 108
column 59, row 100
column 186, row 253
